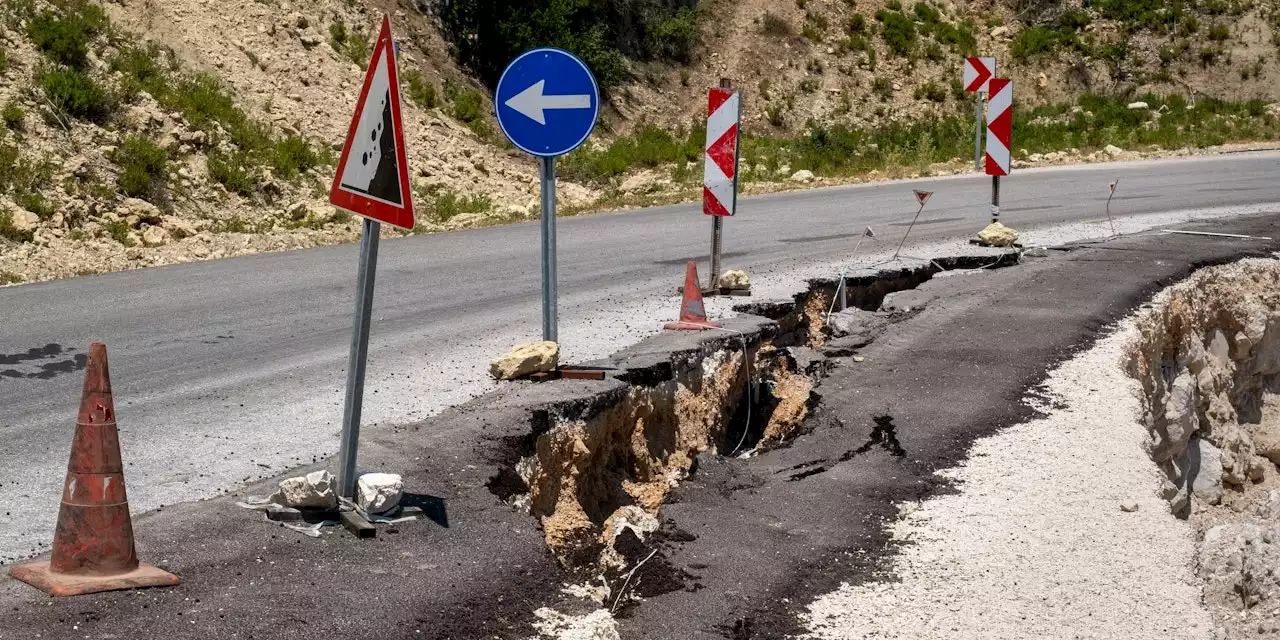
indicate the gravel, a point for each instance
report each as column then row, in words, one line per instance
column 1039, row 542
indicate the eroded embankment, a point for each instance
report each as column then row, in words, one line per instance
column 1208, row 358
column 596, row 472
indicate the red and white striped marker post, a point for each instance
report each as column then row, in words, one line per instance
column 999, row 138
column 978, row 73
column 720, row 175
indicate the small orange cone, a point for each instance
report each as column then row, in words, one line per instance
column 693, row 313
column 93, row 545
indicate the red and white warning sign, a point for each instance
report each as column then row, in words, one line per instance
column 923, row 196
column 999, row 127
column 373, row 175
column 978, row 73
column 720, row 190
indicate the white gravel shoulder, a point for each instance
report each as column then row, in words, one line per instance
column 1035, row 544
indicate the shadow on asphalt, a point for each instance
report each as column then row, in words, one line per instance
column 432, row 507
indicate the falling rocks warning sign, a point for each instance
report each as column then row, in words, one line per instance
column 373, row 176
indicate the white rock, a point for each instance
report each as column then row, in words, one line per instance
column 155, row 237
column 998, row 235
column 313, row 491
column 1129, row 506
column 525, row 360
column 24, row 221
column 1135, row 106
column 1000, row 32
column 379, row 492
column 1036, row 252
column 803, row 175
column 1204, row 466
column 735, row 280
column 1113, row 151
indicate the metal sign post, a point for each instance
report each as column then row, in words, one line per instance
column 999, row 138
column 995, row 199
column 977, row 136
column 720, row 178
column 550, row 314
column 359, row 355
column 372, row 181
column 923, row 198
column 547, row 103
column 1109, row 197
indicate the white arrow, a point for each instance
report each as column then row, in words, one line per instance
column 532, row 103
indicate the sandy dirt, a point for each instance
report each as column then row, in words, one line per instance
column 1035, row 544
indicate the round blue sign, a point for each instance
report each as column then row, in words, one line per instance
column 547, row 102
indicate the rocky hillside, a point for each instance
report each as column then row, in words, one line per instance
column 137, row 133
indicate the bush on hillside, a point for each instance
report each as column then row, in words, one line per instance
column 488, row 34
column 144, row 168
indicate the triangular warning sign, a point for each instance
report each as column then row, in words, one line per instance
column 1113, row 187
column 373, row 175
column 923, row 196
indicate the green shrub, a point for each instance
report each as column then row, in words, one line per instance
column 338, row 35
column 648, row 146
column 899, row 33
column 883, row 87
column 468, row 106
column 144, row 167
column 357, row 49
column 421, row 91
column 75, row 94
column 487, row 34
column 775, row 25
column 13, row 116
column 119, row 231
column 931, row 91
column 447, row 205
column 894, row 5
column 9, row 277
column 37, row 204
column 231, row 172
column 1219, row 32
column 65, row 42
column 21, row 175
column 293, row 156
column 857, row 24
column 141, row 69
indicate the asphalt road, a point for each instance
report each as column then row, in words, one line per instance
column 233, row 370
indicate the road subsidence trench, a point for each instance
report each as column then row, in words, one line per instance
column 596, row 467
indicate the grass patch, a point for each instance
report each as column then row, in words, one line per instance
column 775, row 25
column 421, row 91
column 9, row 277
column 119, row 231
column 445, row 205
column 37, row 204
column 144, row 168
column 65, row 38
column 647, row 147
column 13, row 116
column 898, row 32
column 73, row 93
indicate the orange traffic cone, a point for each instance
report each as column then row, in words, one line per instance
column 93, row 544
column 693, row 313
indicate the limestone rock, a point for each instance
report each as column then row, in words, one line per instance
column 1129, row 506
column 735, row 281
column 315, row 490
column 643, row 182
column 155, row 237
column 1139, row 106
column 1113, row 151
column 1204, row 470
column 1000, row 32
column 803, row 176
column 1238, row 564
column 526, row 360
column 24, row 221
column 379, row 492
column 998, row 235
column 1266, row 441
column 1180, row 419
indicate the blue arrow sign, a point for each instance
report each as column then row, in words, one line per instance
column 547, row 102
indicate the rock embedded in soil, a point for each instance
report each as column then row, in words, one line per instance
column 998, row 235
